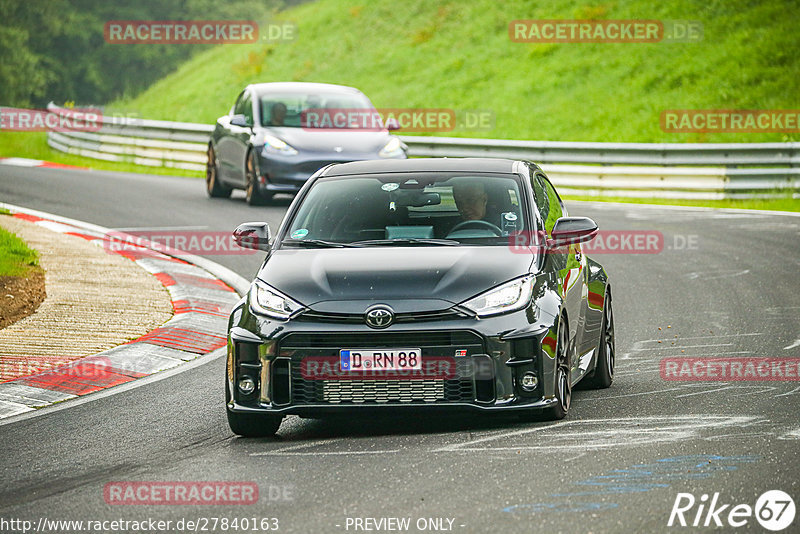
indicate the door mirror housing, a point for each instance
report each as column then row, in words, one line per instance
column 240, row 120
column 254, row 235
column 572, row 230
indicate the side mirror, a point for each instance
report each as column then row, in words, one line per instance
column 240, row 120
column 572, row 230
column 392, row 124
column 255, row 235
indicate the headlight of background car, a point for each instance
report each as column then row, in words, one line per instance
column 267, row 301
column 508, row 297
column 275, row 145
column 392, row 149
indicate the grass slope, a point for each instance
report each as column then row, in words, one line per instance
column 16, row 259
column 457, row 54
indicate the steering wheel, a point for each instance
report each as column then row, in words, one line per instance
column 479, row 224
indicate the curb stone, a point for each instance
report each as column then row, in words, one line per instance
column 201, row 302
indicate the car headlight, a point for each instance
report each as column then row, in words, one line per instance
column 278, row 146
column 504, row 298
column 267, row 301
column 392, row 149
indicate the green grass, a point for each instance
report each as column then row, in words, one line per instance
column 458, row 55
column 33, row 145
column 775, row 204
column 16, row 259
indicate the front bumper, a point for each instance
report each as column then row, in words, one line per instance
column 287, row 174
column 485, row 361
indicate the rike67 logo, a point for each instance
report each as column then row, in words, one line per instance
column 774, row 510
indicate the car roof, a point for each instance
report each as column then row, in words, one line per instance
column 300, row 87
column 423, row 165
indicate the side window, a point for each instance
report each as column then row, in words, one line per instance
column 247, row 108
column 244, row 106
column 556, row 208
column 540, row 196
column 237, row 108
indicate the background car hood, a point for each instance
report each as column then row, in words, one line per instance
column 352, row 141
column 406, row 278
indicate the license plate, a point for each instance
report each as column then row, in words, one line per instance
column 380, row 359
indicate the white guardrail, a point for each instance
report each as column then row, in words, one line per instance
column 647, row 170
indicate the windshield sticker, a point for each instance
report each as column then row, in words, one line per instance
column 299, row 234
column 391, row 186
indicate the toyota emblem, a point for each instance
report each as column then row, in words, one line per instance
column 379, row 317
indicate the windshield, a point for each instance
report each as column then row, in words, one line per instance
column 291, row 110
column 405, row 209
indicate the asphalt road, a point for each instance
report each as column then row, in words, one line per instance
column 726, row 284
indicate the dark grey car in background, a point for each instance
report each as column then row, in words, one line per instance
column 264, row 146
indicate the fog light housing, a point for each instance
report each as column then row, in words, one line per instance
column 529, row 381
column 246, row 385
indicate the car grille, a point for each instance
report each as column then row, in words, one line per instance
column 358, row 318
column 436, row 341
column 460, row 388
column 382, row 391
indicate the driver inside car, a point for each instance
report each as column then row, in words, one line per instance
column 471, row 199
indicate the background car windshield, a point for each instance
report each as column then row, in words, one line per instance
column 288, row 110
column 473, row 209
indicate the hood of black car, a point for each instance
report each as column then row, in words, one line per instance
column 414, row 278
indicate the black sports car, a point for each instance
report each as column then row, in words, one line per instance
column 267, row 145
column 418, row 285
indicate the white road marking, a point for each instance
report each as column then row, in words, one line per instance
column 638, row 346
column 793, row 345
column 704, row 392
column 703, row 275
column 605, row 433
column 322, row 453
column 631, row 394
column 795, row 391
column 303, row 445
column 664, row 346
column 792, row 434
column 21, row 162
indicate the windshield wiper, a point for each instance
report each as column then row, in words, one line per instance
column 320, row 243
column 409, row 241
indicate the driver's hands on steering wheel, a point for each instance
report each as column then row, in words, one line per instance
column 477, row 223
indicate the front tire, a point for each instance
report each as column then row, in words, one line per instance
column 606, row 352
column 213, row 186
column 253, row 195
column 254, row 425
column 563, row 378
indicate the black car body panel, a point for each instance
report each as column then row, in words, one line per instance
column 335, row 279
column 426, row 287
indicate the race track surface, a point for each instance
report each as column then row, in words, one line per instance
column 724, row 285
